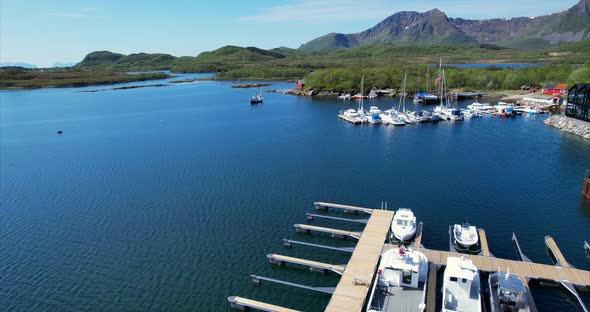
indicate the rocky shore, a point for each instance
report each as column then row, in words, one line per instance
column 571, row 125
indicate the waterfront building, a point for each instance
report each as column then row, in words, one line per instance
column 578, row 102
column 554, row 89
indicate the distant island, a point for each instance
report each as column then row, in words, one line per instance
column 403, row 42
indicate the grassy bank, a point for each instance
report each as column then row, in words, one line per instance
column 18, row 78
column 347, row 80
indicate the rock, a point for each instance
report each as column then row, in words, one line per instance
column 571, row 125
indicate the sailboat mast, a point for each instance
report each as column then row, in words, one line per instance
column 405, row 90
column 362, row 89
column 441, row 81
column 428, row 78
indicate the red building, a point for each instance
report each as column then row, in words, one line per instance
column 554, row 89
column 300, row 84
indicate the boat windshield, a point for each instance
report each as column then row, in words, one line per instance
column 403, row 222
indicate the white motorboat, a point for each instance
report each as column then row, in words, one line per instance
column 373, row 94
column 391, row 117
column 403, row 225
column 507, row 293
column 435, row 117
column 461, row 286
column 374, row 115
column 465, row 234
column 454, row 114
column 344, row 97
column 504, row 109
column 527, row 110
column 401, row 282
column 375, row 110
column 476, row 106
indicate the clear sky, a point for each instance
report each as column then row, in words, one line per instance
column 43, row 32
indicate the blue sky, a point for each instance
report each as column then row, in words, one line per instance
column 45, row 32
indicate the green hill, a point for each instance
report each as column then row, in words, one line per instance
column 106, row 60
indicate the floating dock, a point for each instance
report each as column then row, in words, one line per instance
column 351, row 292
column 346, row 208
column 530, row 270
column 305, row 228
column 243, row 304
column 352, row 120
column 313, row 265
column 355, row 283
column 483, row 239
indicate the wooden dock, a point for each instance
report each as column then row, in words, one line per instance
column 335, row 232
column 352, row 290
column 418, row 238
column 244, row 304
column 352, row 120
column 530, row 270
column 431, row 288
column 313, row 265
column 550, row 243
column 485, row 249
column 346, row 208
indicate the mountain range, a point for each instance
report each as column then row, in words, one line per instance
column 435, row 27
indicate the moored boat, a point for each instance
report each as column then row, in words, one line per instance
column 403, row 225
column 465, row 234
column 374, row 115
column 461, row 286
column 255, row 99
column 401, row 282
column 507, row 293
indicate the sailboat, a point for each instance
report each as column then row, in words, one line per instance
column 401, row 107
column 255, row 99
column 445, row 111
column 360, row 111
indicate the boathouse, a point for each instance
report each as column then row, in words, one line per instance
column 578, row 102
column 554, row 89
column 300, row 84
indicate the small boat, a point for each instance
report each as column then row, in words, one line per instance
column 403, row 225
column 435, row 117
column 480, row 106
column 60, row 132
column 422, row 116
column 401, row 282
column 527, row 110
column 390, row 117
column 373, row 94
column 504, row 109
column 465, row 234
column 454, row 114
column 344, row 97
column 507, row 293
column 255, row 99
column 425, row 98
column 461, row 286
column 374, row 115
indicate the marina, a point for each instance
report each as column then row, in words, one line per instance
column 360, row 272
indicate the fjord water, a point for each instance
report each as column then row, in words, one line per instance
column 169, row 198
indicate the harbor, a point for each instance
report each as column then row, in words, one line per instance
column 357, row 275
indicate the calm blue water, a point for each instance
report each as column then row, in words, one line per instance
column 169, row 198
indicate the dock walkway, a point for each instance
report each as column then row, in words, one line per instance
column 530, row 270
column 355, row 283
column 244, row 303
